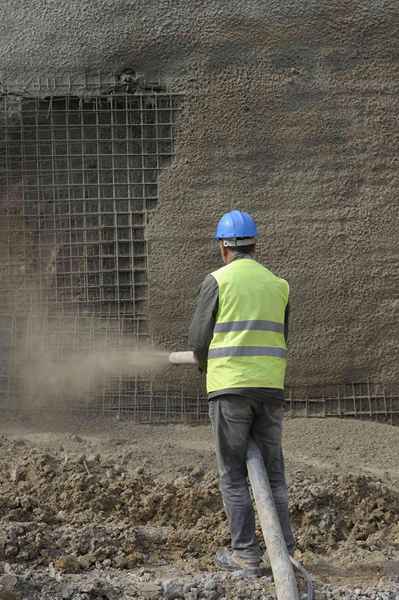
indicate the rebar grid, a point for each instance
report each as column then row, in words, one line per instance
column 88, row 173
column 80, row 160
column 356, row 399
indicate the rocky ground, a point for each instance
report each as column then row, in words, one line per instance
column 109, row 510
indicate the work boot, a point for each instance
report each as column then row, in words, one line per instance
column 228, row 560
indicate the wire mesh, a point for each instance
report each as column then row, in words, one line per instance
column 363, row 400
column 87, row 171
column 80, row 160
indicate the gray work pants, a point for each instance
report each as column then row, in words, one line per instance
column 234, row 419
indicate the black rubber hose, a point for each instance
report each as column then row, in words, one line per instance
column 307, row 577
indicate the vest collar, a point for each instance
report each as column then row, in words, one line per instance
column 239, row 255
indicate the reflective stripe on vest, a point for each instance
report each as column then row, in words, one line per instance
column 247, row 351
column 249, row 326
column 248, row 347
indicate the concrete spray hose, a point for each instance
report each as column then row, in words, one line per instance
column 280, row 561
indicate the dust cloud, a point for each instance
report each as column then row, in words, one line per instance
column 51, row 376
column 56, row 357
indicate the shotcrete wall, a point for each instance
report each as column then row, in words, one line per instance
column 290, row 113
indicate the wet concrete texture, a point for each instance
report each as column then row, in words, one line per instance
column 291, row 113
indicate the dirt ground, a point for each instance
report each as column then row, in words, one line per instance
column 106, row 509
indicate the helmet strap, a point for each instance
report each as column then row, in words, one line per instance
column 235, row 243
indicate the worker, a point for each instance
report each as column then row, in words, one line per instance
column 239, row 334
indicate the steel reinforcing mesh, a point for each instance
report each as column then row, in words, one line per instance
column 80, row 161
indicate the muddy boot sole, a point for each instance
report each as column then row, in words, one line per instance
column 250, row 572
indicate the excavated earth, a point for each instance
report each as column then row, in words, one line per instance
column 111, row 510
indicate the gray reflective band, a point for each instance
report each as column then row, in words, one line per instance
column 249, row 326
column 247, row 351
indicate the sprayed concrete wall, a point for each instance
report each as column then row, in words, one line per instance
column 291, row 113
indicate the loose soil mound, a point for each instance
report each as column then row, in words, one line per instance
column 52, row 507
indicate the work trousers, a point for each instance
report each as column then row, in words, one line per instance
column 234, row 419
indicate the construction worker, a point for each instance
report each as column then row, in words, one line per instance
column 238, row 334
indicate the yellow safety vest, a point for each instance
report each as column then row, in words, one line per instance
column 248, row 347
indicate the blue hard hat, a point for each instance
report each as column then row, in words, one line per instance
column 236, row 224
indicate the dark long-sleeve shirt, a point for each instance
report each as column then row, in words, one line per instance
column 201, row 333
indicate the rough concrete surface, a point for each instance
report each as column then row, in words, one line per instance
column 291, row 113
